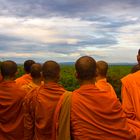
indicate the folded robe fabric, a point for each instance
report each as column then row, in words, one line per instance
column 61, row 124
column 131, row 95
column 96, row 116
column 39, row 110
column 23, row 80
column 11, row 111
column 28, row 87
column 105, row 86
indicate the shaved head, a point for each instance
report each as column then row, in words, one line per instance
column 36, row 70
column 86, row 68
column 102, row 68
column 51, row 70
column 8, row 68
column 27, row 65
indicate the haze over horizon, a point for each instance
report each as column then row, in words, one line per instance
column 64, row 30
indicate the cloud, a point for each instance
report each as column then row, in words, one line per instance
column 67, row 29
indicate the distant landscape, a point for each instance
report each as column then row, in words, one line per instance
column 115, row 72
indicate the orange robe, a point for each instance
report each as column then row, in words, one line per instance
column 11, row 111
column 131, row 95
column 39, row 108
column 105, row 86
column 23, row 80
column 97, row 116
column 28, row 87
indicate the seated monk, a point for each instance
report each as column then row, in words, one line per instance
column 26, row 78
column 36, row 74
column 40, row 104
column 11, row 100
column 101, row 80
column 94, row 115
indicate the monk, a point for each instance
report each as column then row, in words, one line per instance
column 36, row 74
column 93, row 114
column 131, row 95
column 40, row 104
column 26, row 78
column 11, row 100
column 101, row 80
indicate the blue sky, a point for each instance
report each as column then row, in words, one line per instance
column 64, row 30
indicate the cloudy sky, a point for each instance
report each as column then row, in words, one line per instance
column 64, row 30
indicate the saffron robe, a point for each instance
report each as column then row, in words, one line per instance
column 11, row 111
column 23, row 80
column 105, row 86
column 97, row 116
column 28, row 87
column 131, row 95
column 61, row 123
column 39, row 108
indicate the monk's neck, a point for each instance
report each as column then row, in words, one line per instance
column 100, row 77
column 50, row 81
column 86, row 82
column 37, row 81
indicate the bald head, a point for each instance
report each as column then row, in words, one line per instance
column 51, row 70
column 27, row 65
column 86, row 68
column 36, row 70
column 102, row 68
column 8, row 68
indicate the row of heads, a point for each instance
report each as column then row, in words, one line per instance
column 85, row 68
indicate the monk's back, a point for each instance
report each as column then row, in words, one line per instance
column 23, row 80
column 11, row 111
column 46, row 101
column 96, row 116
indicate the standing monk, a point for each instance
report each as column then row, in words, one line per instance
column 36, row 74
column 11, row 99
column 41, row 103
column 101, row 80
column 94, row 115
column 26, row 78
column 131, row 93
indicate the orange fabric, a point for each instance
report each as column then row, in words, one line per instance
column 105, row 86
column 39, row 107
column 30, row 86
column 131, row 95
column 11, row 111
column 61, row 124
column 97, row 116
column 23, row 80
